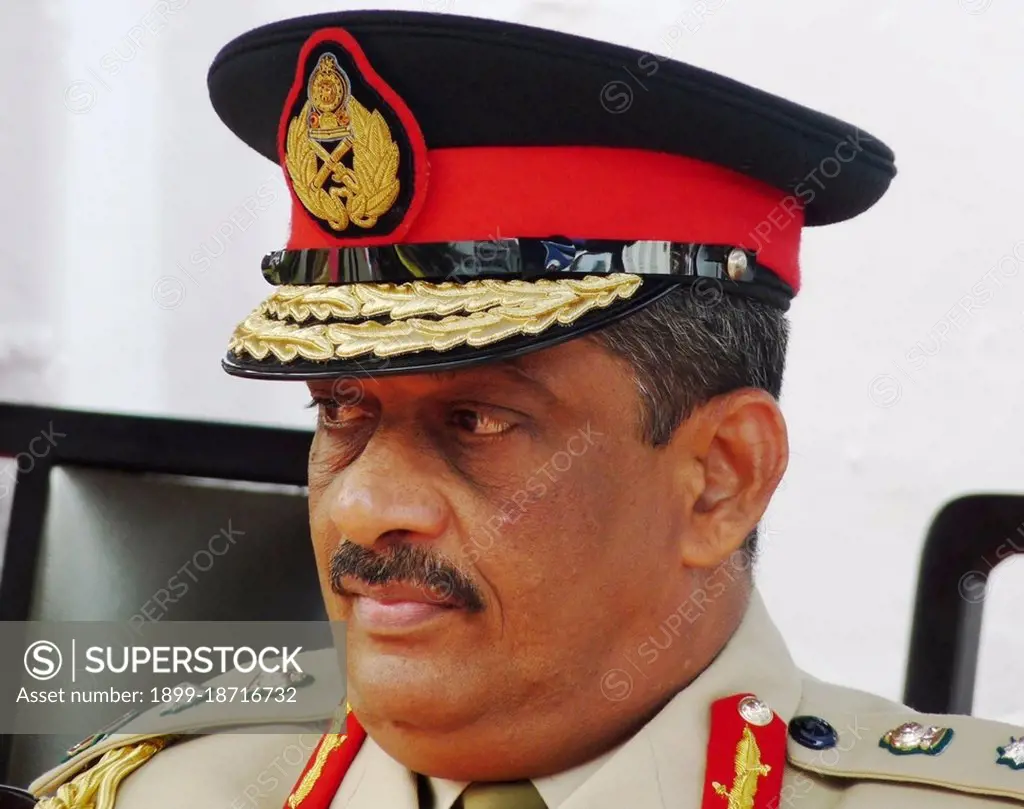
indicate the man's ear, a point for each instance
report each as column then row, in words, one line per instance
column 739, row 450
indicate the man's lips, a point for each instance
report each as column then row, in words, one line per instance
column 391, row 608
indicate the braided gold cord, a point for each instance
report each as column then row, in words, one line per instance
column 96, row 787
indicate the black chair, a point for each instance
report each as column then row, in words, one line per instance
column 76, row 467
column 968, row 538
column 14, row 798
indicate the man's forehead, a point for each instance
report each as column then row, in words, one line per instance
column 539, row 370
column 527, row 368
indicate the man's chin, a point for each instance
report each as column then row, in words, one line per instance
column 417, row 693
column 445, row 715
column 442, row 741
column 428, row 734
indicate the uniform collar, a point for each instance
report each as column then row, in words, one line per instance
column 662, row 765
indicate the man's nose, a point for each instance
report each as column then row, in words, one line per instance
column 389, row 491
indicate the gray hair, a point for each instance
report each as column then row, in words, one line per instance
column 692, row 345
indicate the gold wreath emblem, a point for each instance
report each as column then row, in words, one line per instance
column 328, row 188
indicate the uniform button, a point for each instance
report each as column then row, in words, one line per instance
column 755, row 711
column 813, row 732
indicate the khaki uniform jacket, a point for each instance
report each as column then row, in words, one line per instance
column 661, row 767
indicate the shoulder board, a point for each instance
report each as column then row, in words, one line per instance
column 876, row 740
column 146, row 733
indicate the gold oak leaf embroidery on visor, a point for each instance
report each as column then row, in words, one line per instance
column 493, row 310
column 330, row 125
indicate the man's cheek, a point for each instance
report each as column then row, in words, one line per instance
column 319, row 524
column 319, row 474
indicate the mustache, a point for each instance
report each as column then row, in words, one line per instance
column 414, row 565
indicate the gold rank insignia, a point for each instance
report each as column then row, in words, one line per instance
column 748, row 769
column 912, row 737
column 353, row 155
column 746, row 755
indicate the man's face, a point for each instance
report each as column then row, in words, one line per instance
column 496, row 539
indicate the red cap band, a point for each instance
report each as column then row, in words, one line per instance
column 489, row 193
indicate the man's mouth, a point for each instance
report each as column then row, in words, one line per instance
column 396, row 606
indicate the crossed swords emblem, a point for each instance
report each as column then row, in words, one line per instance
column 332, row 161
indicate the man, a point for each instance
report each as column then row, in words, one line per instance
column 545, row 341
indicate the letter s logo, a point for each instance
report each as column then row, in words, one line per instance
column 43, row 660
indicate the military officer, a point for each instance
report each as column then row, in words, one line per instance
column 542, row 321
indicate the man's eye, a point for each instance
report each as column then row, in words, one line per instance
column 475, row 422
column 333, row 414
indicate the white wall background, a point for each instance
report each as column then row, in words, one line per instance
column 116, row 172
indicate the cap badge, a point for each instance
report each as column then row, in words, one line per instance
column 340, row 156
column 353, row 155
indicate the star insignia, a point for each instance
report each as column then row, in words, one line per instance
column 1012, row 755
